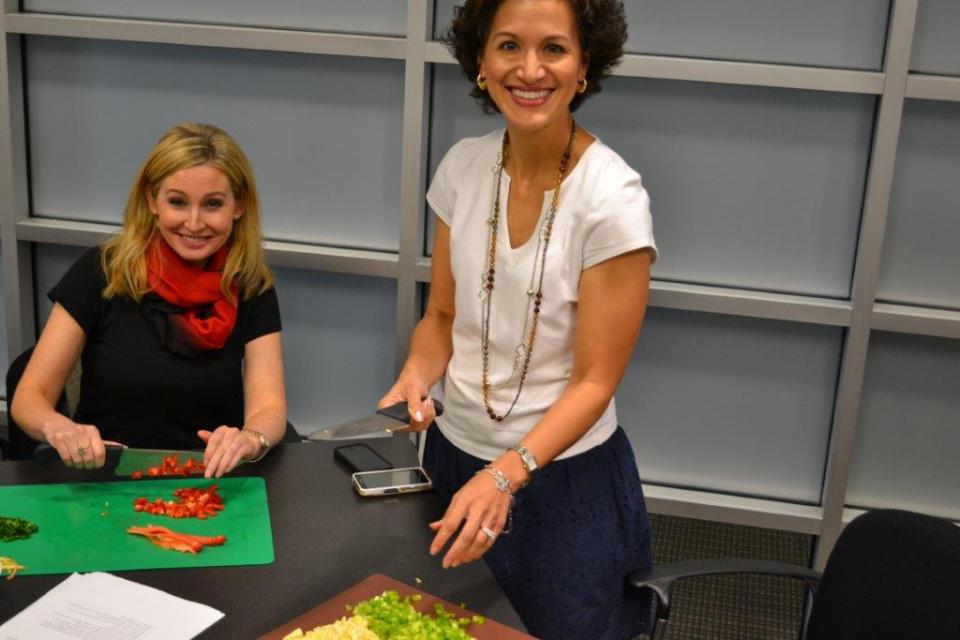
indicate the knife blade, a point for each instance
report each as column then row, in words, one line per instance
column 124, row 460
column 382, row 423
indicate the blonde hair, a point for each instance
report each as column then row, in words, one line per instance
column 124, row 256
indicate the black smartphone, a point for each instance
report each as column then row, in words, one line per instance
column 360, row 457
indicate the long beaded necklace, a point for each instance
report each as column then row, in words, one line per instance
column 523, row 351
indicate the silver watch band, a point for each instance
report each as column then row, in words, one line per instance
column 528, row 460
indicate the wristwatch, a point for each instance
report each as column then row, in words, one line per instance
column 528, row 460
column 264, row 444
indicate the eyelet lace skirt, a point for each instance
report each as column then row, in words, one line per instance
column 579, row 528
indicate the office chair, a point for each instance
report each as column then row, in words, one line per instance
column 19, row 445
column 892, row 574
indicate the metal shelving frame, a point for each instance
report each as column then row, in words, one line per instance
column 410, row 268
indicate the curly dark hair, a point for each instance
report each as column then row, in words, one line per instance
column 601, row 25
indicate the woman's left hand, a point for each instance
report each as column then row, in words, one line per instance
column 226, row 448
column 482, row 511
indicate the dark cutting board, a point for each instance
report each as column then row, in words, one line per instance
column 335, row 608
column 79, row 532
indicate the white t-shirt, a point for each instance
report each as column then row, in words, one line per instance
column 604, row 212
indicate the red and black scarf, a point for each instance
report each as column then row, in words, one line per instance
column 186, row 305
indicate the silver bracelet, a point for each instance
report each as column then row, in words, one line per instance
column 503, row 484
column 264, row 444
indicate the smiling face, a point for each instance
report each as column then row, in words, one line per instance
column 195, row 210
column 532, row 62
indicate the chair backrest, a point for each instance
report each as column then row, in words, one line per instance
column 892, row 574
column 21, row 445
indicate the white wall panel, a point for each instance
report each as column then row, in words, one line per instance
column 751, row 187
column 837, row 33
column 323, row 133
column 386, row 17
column 338, row 345
column 909, row 432
column 921, row 250
column 731, row 404
column 936, row 41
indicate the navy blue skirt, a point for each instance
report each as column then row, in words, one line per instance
column 579, row 528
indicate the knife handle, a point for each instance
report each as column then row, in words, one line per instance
column 45, row 453
column 401, row 412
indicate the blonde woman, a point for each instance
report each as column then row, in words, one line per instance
column 175, row 320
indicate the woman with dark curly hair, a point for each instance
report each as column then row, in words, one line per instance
column 540, row 277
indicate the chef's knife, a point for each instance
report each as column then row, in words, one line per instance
column 384, row 422
column 124, row 460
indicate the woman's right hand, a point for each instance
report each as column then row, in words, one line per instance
column 79, row 445
column 417, row 396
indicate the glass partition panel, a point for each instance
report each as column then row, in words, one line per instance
column 921, row 250
column 936, row 40
column 905, row 455
column 825, row 33
column 386, row 17
column 322, row 132
column 339, row 337
column 733, row 405
column 751, row 187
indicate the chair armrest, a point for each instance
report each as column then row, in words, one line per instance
column 660, row 578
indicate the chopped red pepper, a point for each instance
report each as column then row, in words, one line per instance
column 170, row 466
column 183, row 542
column 191, row 502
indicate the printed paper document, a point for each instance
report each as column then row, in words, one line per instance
column 101, row 606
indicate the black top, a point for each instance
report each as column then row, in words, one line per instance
column 132, row 387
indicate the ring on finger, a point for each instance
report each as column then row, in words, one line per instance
column 82, row 451
column 487, row 531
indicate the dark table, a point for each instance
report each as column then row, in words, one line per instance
column 325, row 537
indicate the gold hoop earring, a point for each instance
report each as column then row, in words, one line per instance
column 581, row 85
column 481, row 82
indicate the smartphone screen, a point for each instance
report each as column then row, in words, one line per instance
column 392, row 478
column 360, row 457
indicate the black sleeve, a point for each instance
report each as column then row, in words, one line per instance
column 259, row 316
column 80, row 291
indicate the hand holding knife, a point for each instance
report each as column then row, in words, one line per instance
column 386, row 421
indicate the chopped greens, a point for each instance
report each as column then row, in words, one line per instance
column 15, row 529
column 394, row 618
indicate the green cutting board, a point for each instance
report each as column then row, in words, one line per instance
column 79, row 531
